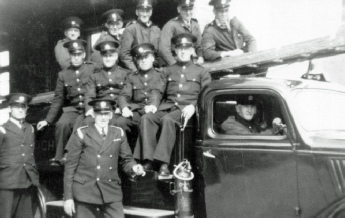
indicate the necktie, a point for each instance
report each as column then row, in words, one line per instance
column 103, row 134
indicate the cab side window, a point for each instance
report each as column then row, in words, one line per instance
column 246, row 114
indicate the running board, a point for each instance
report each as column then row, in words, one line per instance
column 147, row 212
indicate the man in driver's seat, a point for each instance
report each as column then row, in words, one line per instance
column 243, row 123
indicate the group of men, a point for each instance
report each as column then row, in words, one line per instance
column 102, row 104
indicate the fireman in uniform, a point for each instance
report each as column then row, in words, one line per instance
column 184, row 81
column 109, row 81
column 112, row 20
column 69, row 96
column 92, row 186
column 184, row 23
column 143, row 89
column 138, row 32
column 225, row 37
column 71, row 26
column 18, row 174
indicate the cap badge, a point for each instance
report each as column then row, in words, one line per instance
column 223, row 2
column 73, row 22
column 21, row 98
column 103, row 104
column 187, row 2
column 250, row 98
column 114, row 16
column 75, row 44
column 107, row 47
column 141, row 50
column 145, row 2
column 184, row 40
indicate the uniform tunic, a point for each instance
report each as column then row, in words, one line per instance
column 236, row 125
column 91, row 170
column 184, row 81
column 172, row 28
column 62, row 55
column 141, row 89
column 217, row 39
column 135, row 34
column 17, row 168
column 70, row 96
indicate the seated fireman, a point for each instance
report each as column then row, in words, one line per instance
column 244, row 123
column 69, row 96
column 108, row 82
column 143, row 90
column 225, row 37
column 184, row 80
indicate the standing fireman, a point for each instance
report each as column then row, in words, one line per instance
column 69, row 96
column 141, row 31
column 225, row 37
column 18, row 173
column 184, row 81
column 71, row 26
column 112, row 20
column 92, row 185
column 109, row 81
column 143, row 89
column 184, row 23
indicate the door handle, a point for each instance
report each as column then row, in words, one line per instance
column 208, row 154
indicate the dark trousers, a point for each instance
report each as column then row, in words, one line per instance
column 128, row 123
column 63, row 130
column 17, row 203
column 110, row 210
column 149, row 125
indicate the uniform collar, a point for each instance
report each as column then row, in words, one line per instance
column 222, row 25
column 186, row 64
column 110, row 69
column 249, row 124
column 148, row 24
column 17, row 122
column 99, row 129
column 183, row 22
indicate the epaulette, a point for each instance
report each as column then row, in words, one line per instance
column 32, row 128
column 130, row 23
column 80, row 133
column 122, row 132
column 176, row 18
column 3, row 130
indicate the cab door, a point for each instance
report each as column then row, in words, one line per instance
column 246, row 175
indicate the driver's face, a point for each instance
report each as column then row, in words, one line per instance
column 247, row 112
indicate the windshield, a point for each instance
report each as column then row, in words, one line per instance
column 320, row 110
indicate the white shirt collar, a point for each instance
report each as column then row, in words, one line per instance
column 17, row 122
column 100, row 129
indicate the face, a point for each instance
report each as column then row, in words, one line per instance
column 222, row 14
column 145, row 62
column 144, row 14
column 18, row 111
column 72, row 33
column 109, row 59
column 184, row 53
column 114, row 27
column 246, row 111
column 185, row 12
column 102, row 118
column 77, row 58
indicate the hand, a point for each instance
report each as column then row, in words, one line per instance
column 126, row 112
column 69, row 208
column 150, row 108
column 187, row 113
column 277, row 125
column 139, row 170
column 200, row 60
column 117, row 111
column 236, row 52
column 42, row 124
column 90, row 113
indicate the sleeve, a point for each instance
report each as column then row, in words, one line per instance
column 208, row 45
column 75, row 148
column 198, row 48
column 247, row 38
column 90, row 92
column 62, row 55
column 58, row 100
column 205, row 79
column 127, row 161
column 125, row 52
column 126, row 94
column 157, row 92
column 165, row 43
